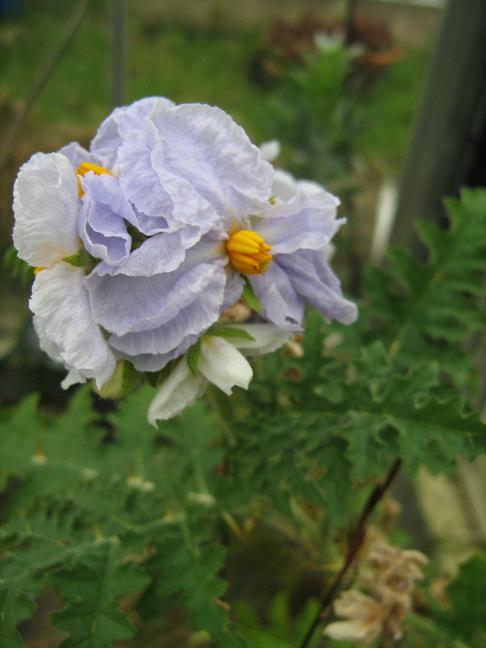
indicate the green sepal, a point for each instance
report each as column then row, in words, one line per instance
column 193, row 356
column 250, row 298
column 81, row 259
column 137, row 237
column 156, row 378
column 123, row 381
column 17, row 266
column 228, row 331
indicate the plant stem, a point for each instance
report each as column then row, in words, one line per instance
column 355, row 541
column 221, row 407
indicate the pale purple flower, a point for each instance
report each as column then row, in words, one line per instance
column 194, row 163
column 168, row 202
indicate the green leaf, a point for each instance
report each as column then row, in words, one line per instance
column 250, row 297
column 193, row 356
column 228, row 331
column 17, row 603
column 89, row 590
column 282, row 630
column 347, row 425
column 186, row 571
column 430, row 309
column 467, row 593
column 95, row 497
column 81, row 259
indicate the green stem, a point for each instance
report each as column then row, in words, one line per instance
column 355, row 542
column 220, row 405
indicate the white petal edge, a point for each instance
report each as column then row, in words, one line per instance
column 266, row 338
column 65, row 325
column 285, row 186
column 223, row 365
column 180, row 390
column 353, row 630
column 270, row 150
column 45, row 208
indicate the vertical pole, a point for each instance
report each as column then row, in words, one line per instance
column 118, row 52
column 351, row 7
column 451, row 124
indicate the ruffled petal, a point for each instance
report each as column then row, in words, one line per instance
column 65, row 325
column 180, row 390
column 155, row 362
column 166, row 316
column 223, row 365
column 76, row 154
column 313, row 279
column 45, row 208
column 113, row 129
column 155, row 190
column 306, row 221
column 128, row 304
column 158, row 254
column 140, row 182
column 101, row 224
column 203, row 145
column 280, row 303
column 192, row 320
column 233, row 289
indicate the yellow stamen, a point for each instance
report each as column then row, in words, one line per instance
column 83, row 168
column 37, row 270
column 247, row 252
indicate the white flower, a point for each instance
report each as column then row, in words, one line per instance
column 365, row 618
column 270, row 150
column 45, row 233
column 221, row 362
column 388, row 576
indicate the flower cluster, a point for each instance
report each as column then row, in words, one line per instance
column 143, row 242
column 386, row 585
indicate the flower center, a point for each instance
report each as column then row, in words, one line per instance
column 83, row 168
column 247, row 252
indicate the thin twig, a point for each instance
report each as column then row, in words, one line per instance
column 355, row 542
column 43, row 76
